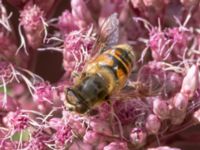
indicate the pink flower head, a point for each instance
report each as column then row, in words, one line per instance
column 179, row 38
column 38, row 141
column 77, row 50
column 66, row 22
column 116, row 146
column 43, row 92
column 168, row 45
column 81, row 13
column 63, row 136
column 161, row 97
column 158, row 43
column 17, row 120
column 30, row 18
column 6, row 72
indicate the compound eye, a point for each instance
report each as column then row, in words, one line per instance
column 71, row 97
column 75, row 103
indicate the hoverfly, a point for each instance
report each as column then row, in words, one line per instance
column 106, row 73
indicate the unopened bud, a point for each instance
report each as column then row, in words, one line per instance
column 177, row 116
column 190, row 82
column 160, row 108
column 81, row 13
column 180, row 102
column 196, row 115
column 153, row 124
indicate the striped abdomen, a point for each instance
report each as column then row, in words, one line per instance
column 114, row 65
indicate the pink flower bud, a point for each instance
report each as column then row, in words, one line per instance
column 190, row 82
column 177, row 116
column 161, row 109
column 152, row 124
column 196, row 115
column 173, row 84
column 138, row 136
column 91, row 137
column 81, row 13
column 163, row 148
column 180, row 102
column 116, row 146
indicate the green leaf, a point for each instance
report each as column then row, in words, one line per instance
column 7, row 89
column 23, row 135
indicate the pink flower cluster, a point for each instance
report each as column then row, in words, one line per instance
column 158, row 109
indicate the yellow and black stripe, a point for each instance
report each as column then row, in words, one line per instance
column 118, row 61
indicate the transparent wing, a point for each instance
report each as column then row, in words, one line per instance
column 108, row 34
column 136, row 90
